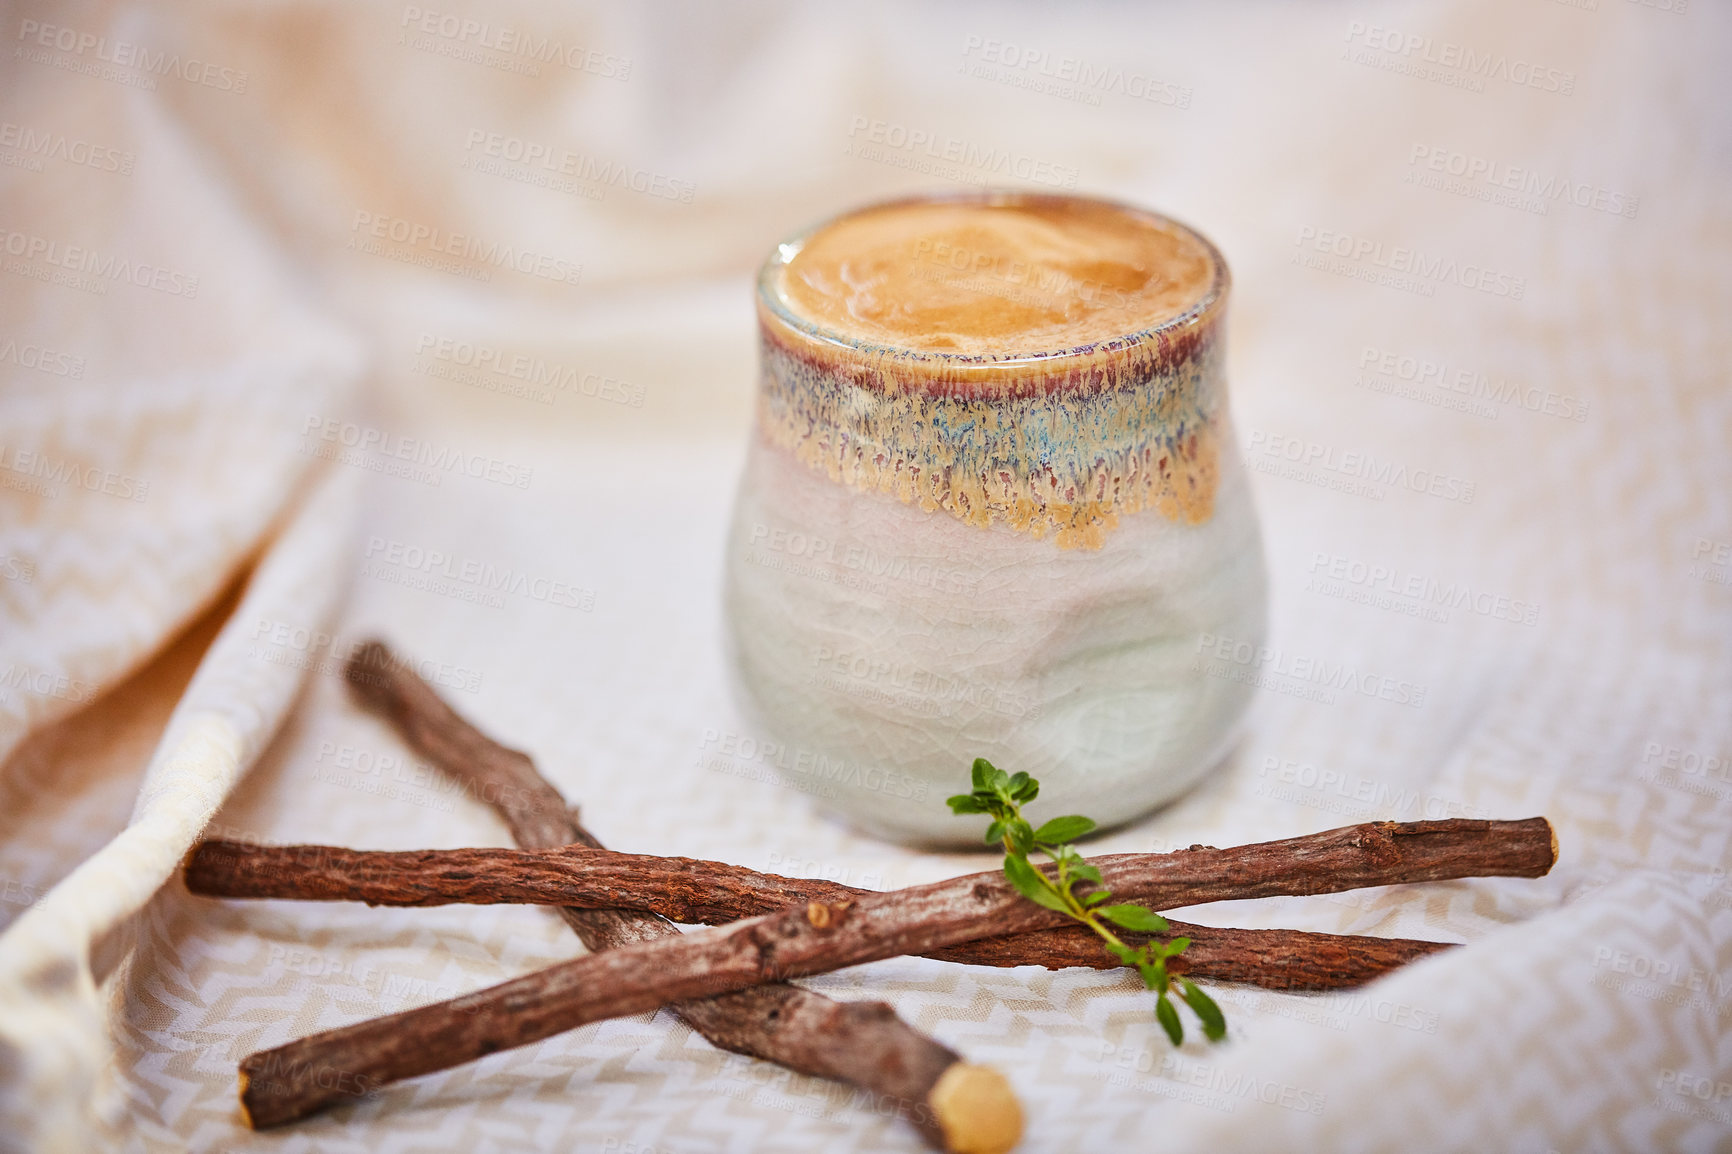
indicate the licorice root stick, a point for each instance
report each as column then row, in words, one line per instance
column 714, row 893
column 826, row 936
column 954, row 1104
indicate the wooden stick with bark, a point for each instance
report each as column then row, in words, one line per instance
column 955, row 1105
column 714, row 893
column 826, row 936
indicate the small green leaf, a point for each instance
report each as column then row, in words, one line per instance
column 1001, row 796
column 1158, row 968
column 1169, row 1020
column 1030, row 884
column 1135, row 917
column 1063, row 829
column 1214, row 1024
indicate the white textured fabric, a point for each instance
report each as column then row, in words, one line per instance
column 1478, row 350
column 50, row 1012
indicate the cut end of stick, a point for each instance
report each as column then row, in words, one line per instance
column 825, row 915
column 1554, row 833
column 976, row 1110
column 246, row 1111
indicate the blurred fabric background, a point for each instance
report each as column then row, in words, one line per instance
column 310, row 314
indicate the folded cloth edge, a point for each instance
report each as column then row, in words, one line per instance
column 53, row 1033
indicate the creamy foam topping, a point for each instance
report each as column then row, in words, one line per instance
column 983, row 278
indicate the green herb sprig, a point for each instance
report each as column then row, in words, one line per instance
column 1002, row 795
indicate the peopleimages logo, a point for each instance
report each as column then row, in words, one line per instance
column 1460, row 64
column 1683, row 1092
column 555, row 161
column 1067, row 77
column 448, row 34
column 311, row 648
column 1226, row 1088
column 996, row 274
column 1335, row 790
column 1259, row 662
column 914, row 689
column 850, row 559
column 1333, row 575
column 1658, row 979
column 934, row 153
column 1689, row 770
column 1386, row 370
column 452, row 574
column 42, row 144
column 42, row 359
column 44, row 473
column 388, row 448
column 88, row 262
column 1349, row 471
column 1486, row 179
column 428, row 245
column 495, row 369
column 124, row 54
column 1711, row 561
column 804, row 770
column 1399, row 266
column 44, row 683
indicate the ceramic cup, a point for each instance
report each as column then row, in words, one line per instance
column 1009, row 552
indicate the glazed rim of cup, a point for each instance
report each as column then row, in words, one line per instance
column 1174, row 335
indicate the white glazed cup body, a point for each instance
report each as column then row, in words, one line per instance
column 1035, row 560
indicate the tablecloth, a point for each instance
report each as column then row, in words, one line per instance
column 323, row 322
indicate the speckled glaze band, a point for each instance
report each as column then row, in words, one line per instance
column 1060, row 444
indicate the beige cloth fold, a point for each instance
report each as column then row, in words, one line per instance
column 53, row 1022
